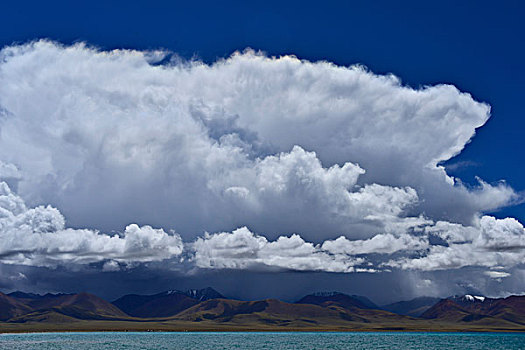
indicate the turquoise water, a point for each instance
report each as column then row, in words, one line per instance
column 253, row 340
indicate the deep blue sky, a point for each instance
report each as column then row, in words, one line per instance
column 476, row 45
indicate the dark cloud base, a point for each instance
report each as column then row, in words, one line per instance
column 382, row 288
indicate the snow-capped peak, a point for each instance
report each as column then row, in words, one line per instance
column 474, row 297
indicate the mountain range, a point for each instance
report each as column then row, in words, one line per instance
column 164, row 304
column 207, row 309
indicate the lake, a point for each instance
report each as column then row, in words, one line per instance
column 255, row 340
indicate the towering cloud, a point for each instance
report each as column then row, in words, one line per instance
column 193, row 146
column 329, row 168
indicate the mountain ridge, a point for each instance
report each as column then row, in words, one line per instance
column 413, row 307
column 165, row 303
column 207, row 309
column 338, row 298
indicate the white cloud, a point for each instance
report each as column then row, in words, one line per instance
column 242, row 249
column 490, row 243
column 213, row 147
column 379, row 244
column 295, row 190
column 10, row 203
column 278, row 144
column 38, row 237
column 497, row 274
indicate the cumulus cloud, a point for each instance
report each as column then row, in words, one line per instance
column 38, row 237
column 321, row 149
column 241, row 249
column 339, row 167
column 490, row 243
column 295, row 186
column 379, row 244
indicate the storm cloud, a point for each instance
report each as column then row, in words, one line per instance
column 252, row 162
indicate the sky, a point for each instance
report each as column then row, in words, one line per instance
column 264, row 149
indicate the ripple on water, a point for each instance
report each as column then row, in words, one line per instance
column 256, row 340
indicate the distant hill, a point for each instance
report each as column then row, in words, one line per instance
column 446, row 309
column 339, row 299
column 510, row 309
column 82, row 306
column 469, row 308
column 164, row 304
column 10, row 307
column 269, row 311
column 415, row 307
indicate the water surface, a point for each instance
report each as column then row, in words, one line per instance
column 254, row 340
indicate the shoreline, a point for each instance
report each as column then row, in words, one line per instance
column 268, row 331
column 36, row 330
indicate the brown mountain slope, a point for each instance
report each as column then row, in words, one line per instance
column 281, row 314
column 446, row 310
column 44, row 317
column 159, row 305
column 265, row 311
column 82, row 306
column 10, row 307
column 510, row 309
column 490, row 311
column 415, row 307
column 340, row 299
